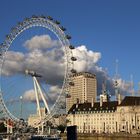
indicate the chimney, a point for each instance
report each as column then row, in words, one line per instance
column 92, row 103
column 101, row 100
column 76, row 105
column 77, row 102
column 119, row 99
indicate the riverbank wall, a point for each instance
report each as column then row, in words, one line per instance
column 105, row 137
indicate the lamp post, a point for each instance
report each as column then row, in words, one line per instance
column 21, row 106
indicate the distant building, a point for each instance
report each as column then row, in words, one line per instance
column 57, row 120
column 35, row 118
column 83, row 90
column 60, row 119
column 107, row 116
column 2, row 120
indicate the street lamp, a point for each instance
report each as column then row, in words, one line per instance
column 21, row 106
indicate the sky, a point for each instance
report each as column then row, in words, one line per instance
column 102, row 31
column 109, row 27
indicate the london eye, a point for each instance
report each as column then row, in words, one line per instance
column 19, row 74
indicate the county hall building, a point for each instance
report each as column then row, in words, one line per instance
column 104, row 116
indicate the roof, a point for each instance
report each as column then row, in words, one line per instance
column 112, row 105
column 85, row 74
column 130, row 101
column 106, row 106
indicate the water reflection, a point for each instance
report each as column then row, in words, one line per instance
column 109, row 138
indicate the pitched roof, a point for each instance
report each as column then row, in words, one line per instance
column 130, row 101
column 96, row 107
column 85, row 74
column 112, row 105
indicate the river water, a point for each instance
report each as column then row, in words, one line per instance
column 109, row 138
column 86, row 137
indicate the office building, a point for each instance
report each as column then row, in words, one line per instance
column 83, row 90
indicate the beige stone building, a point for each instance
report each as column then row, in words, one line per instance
column 107, row 117
column 60, row 119
column 83, row 90
column 35, row 118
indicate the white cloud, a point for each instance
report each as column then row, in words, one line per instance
column 124, row 86
column 50, row 62
column 41, row 42
column 13, row 63
column 86, row 59
column 30, row 96
column 51, row 95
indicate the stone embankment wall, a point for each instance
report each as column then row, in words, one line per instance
column 105, row 137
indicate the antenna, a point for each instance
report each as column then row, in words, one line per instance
column 131, row 84
column 116, row 69
column 116, row 77
column 139, row 88
column 104, row 87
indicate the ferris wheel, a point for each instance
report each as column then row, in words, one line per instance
column 59, row 104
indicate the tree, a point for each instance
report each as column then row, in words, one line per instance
column 2, row 128
column 61, row 128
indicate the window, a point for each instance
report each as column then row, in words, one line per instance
column 133, row 126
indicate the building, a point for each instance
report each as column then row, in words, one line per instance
column 104, row 116
column 83, row 90
column 107, row 117
column 60, row 119
column 35, row 118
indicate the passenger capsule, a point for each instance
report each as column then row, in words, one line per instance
column 68, row 37
column 34, row 16
column 26, row 19
column 62, row 28
column 42, row 16
column 73, row 71
column 71, row 47
column 13, row 29
column 57, row 22
column 7, row 36
column 1, row 44
column 20, row 23
column 50, row 18
column 73, row 59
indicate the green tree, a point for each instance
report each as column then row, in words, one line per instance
column 2, row 128
column 61, row 128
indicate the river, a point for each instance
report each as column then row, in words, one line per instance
column 105, row 137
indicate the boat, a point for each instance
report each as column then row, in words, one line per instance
column 45, row 137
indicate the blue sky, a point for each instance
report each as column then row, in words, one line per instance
column 110, row 27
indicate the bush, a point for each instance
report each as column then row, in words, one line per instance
column 61, row 128
column 2, row 128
